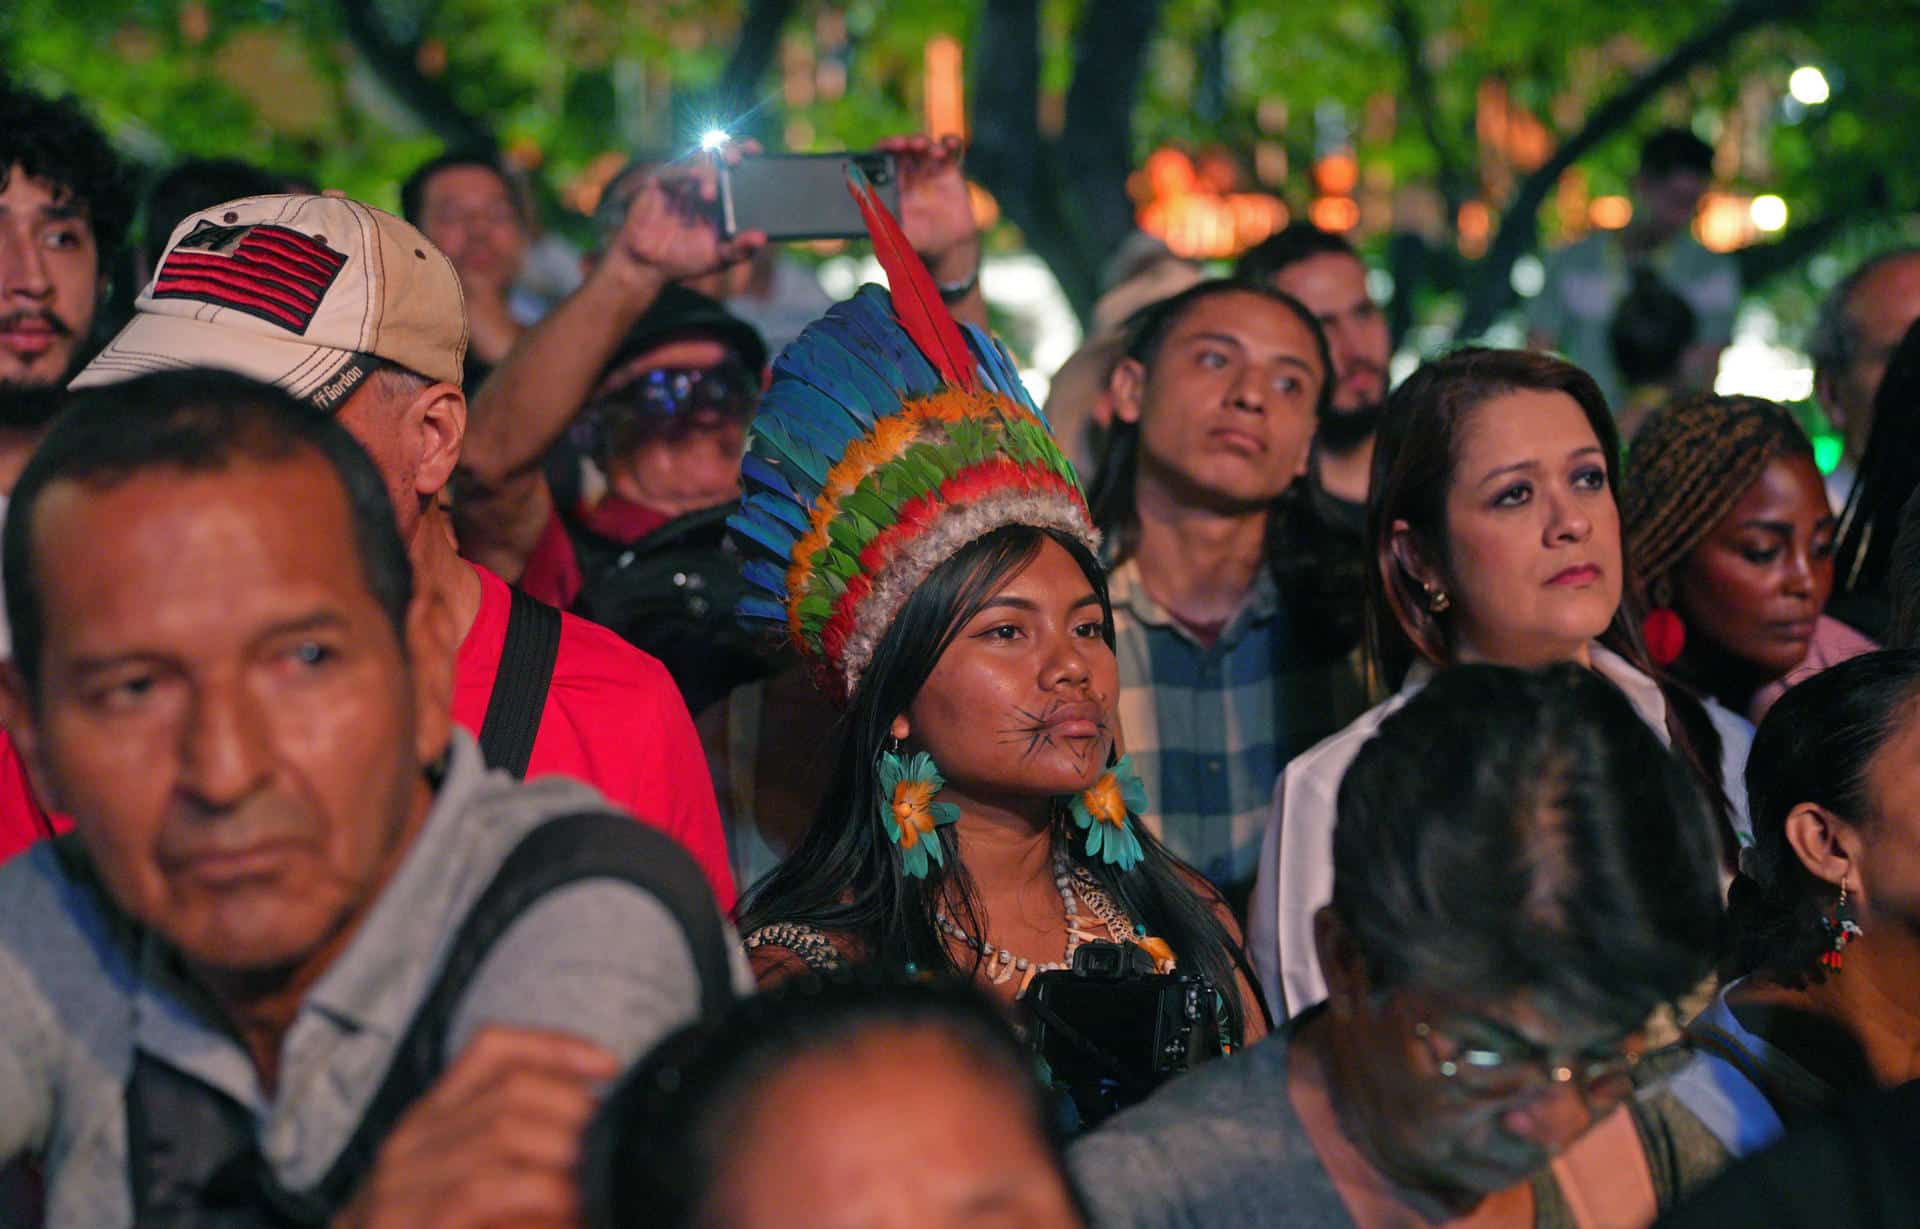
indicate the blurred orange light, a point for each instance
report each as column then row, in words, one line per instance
column 1170, row 173
column 1336, row 174
column 1725, row 222
column 1335, row 213
column 1476, row 227
column 1610, row 212
column 946, row 88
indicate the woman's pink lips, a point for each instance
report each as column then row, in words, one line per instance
column 1580, row 574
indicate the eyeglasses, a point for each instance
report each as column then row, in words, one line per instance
column 1484, row 1071
column 672, row 392
column 668, row 401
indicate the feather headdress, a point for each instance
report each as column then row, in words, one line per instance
column 889, row 438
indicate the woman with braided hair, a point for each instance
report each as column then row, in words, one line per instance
column 1727, row 522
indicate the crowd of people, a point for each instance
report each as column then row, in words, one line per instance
column 646, row 745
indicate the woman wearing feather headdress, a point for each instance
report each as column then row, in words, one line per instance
column 924, row 544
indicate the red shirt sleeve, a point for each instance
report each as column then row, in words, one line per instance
column 23, row 820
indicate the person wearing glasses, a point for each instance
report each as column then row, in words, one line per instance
column 1522, row 872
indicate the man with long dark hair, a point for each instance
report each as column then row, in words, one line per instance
column 1233, row 648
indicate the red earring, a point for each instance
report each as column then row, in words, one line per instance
column 1841, row 930
column 1665, row 635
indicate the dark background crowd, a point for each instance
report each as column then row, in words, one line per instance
column 1295, row 736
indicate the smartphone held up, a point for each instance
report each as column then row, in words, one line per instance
column 802, row 196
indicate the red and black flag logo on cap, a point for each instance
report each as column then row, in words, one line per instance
column 272, row 272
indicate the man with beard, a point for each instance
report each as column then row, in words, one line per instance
column 1323, row 271
column 64, row 209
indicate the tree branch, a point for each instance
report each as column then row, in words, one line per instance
column 1489, row 289
column 737, row 93
column 1006, row 152
column 1110, row 53
column 1450, row 176
column 396, row 64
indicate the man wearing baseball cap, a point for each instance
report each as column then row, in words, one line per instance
column 354, row 312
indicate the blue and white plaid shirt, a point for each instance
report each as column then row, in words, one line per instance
column 1210, row 727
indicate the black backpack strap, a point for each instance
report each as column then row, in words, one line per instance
column 238, row 1187
column 520, row 686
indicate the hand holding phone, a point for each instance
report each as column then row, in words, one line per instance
column 671, row 226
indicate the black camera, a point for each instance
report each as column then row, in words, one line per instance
column 1111, row 1029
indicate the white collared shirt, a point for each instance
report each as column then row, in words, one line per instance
column 1295, row 876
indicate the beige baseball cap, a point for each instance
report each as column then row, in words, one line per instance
column 312, row 293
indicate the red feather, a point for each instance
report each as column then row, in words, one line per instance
column 916, row 300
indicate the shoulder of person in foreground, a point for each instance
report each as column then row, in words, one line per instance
column 600, row 957
column 66, row 986
column 637, row 743
column 1220, row 1146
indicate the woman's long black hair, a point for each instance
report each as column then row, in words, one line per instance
column 1817, row 745
column 845, row 877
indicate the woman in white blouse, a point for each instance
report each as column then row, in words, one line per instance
column 1495, row 538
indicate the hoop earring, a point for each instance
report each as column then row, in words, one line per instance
column 1841, row 930
column 1105, row 811
column 908, row 811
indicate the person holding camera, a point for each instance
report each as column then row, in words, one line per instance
column 927, row 549
column 1522, row 872
column 668, row 236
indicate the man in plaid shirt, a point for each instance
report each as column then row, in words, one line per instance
column 1229, row 666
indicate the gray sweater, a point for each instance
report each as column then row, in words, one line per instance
column 78, row 994
column 1220, row 1147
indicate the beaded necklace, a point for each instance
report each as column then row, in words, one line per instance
column 1003, row 964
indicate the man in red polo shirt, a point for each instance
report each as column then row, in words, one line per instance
column 354, row 311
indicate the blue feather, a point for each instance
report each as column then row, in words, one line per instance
column 780, row 510
column 877, row 338
column 814, row 414
column 765, row 475
column 997, row 368
column 759, row 609
column 765, row 531
column 770, row 435
column 764, row 575
column 834, row 355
